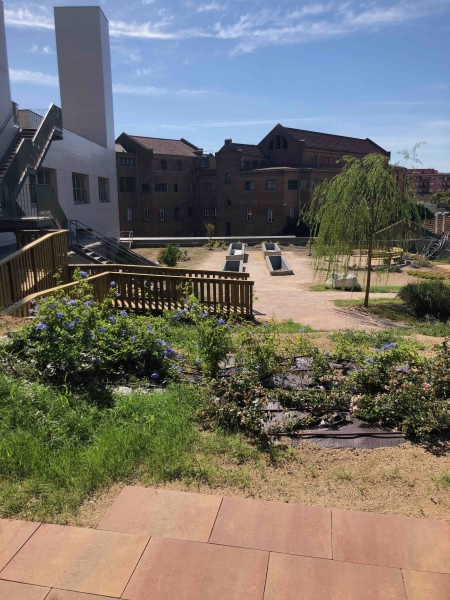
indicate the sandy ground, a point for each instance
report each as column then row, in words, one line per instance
column 407, row 480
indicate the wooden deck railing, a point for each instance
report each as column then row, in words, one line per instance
column 32, row 269
column 148, row 293
column 149, row 270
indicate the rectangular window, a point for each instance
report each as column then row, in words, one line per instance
column 303, row 184
column 178, row 165
column 163, row 164
column 249, row 186
column 176, row 214
column 207, row 187
column 270, row 216
column 190, row 187
column 127, row 184
column 126, row 162
column 271, row 184
column 249, row 215
column 146, row 214
column 190, row 212
column 103, row 189
column 80, row 188
column 42, row 177
column 191, row 233
column 292, row 184
column 176, row 187
column 161, row 214
column 314, row 183
column 145, row 187
column 292, row 213
column 129, row 214
column 246, row 164
column 254, row 164
column 160, row 187
column 203, row 162
column 212, row 211
column 206, row 211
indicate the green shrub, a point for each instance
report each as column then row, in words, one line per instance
column 427, row 298
column 214, row 342
column 171, row 255
column 424, row 275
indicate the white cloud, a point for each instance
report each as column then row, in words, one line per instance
column 24, row 17
column 138, row 90
column 35, row 49
column 197, row 93
column 143, row 72
column 209, row 7
column 33, row 77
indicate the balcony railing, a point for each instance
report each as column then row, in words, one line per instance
column 31, row 118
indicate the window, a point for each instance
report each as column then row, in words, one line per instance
column 145, row 187
column 303, row 184
column 326, row 160
column 129, row 216
column 206, row 211
column 191, row 187
column 42, row 177
column 191, row 233
column 228, row 202
column 227, row 178
column 179, row 165
column 80, row 188
column 176, row 187
column 103, row 189
column 228, row 229
column 292, row 213
column 126, row 162
column 207, row 187
column 163, row 164
column 249, row 186
column 160, row 187
column 278, row 142
column 271, row 184
column 127, row 184
column 292, row 184
column 203, row 162
column 254, row 164
column 212, row 211
column 176, row 214
column 161, row 214
column 146, row 214
column 190, row 212
column 246, row 164
column 249, row 215
column 314, row 183
column 270, row 216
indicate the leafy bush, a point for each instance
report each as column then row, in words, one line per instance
column 427, row 298
column 69, row 339
column 214, row 342
column 171, row 255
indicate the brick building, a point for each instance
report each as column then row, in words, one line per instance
column 429, row 181
column 245, row 189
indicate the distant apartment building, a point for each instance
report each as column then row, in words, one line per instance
column 429, row 181
column 244, row 189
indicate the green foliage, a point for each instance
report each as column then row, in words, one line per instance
column 427, row 298
column 425, row 275
column 214, row 342
column 209, row 232
column 171, row 255
column 440, row 197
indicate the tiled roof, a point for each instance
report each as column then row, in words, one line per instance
column 120, row 148
column 163, row 146
column 338, row 143
column 249, row 150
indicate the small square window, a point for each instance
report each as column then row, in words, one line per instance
column 271, row 184
column 176, row 187
column 126, row 162
column 163, row 164
column 145, row 187
column 146, row 214
column 127, row 184
column 161, row 214
column 212, row 211
column 249, row 186
column 292, row 184
column 129, row 216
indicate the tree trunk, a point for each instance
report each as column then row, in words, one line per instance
column 369, row 272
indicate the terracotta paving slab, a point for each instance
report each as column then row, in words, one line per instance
column 163, row 513
column 180, row 570
column 82, row 560
column 65, row 595
column 9, row 590
column 13, row 535
column 274, row 526
column 426, row 586
column 304, row 578
column 391, row 541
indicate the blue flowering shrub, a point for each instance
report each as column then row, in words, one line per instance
column 68, row 338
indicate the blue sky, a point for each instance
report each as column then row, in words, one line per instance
column 208, row 70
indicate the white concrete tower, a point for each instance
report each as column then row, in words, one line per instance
column 84, row 65
column 7, row 129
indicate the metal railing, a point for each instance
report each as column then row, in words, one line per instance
column 17, row 202
column 88, row 240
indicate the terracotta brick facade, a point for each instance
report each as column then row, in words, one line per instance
column 243, row 190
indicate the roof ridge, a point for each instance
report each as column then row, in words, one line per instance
column 347, row 137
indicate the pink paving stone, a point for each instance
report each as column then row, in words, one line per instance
column 82, row 560
column 274, row 526
column 180, row 570
column 13, row 534
column 65, row 595
column 421, row 585
column 9, row 590
column 391, row 541
column 304, row 578
column 163, row 513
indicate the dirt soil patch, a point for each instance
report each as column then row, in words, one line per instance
column 407, row 480
column 197, row 256
column 8, row 323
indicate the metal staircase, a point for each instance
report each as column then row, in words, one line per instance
column 438, row 246
column 98, row 248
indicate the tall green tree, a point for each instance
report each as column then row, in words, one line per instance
column 355, row 211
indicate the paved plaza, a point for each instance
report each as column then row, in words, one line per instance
column 157, row 544
column 289, row 296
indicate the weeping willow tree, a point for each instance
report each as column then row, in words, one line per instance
column 356, row 211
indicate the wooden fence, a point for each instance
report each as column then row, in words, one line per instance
column 148, row 293
column 149, row 270
column 32, row 269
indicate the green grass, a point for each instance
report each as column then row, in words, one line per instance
column 291, row 327
column 445, row 479
column 425, row 275
column 379, row 289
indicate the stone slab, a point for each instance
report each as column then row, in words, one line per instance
column 176, row 569
column 163, row 513
column 391, row 541
column 420, row 585
column 65, row 595
column 82, row 560
column 274, row 526
column 10, row 590
column 13, row 535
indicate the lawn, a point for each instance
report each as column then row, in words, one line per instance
column 379, row 289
